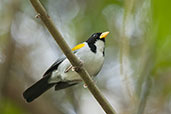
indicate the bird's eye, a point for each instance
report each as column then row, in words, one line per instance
column 94, row 35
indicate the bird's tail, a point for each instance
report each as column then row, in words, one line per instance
column 37, row 89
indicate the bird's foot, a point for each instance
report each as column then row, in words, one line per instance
column 76, row 68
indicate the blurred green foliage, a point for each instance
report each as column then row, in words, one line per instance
column 162, row 17
column 162, row 69
column 90, row 19
column 10, row 107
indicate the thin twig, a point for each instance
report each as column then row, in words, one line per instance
column 72, row 58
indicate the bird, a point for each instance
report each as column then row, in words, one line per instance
column 62, row 75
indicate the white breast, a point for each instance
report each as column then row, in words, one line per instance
column 92, row 61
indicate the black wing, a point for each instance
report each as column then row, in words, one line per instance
column 54, row 66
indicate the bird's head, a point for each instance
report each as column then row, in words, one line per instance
column 97, row 40
column 97, row 36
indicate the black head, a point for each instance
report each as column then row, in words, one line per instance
column 97, row 36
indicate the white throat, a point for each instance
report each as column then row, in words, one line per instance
column 99, row 45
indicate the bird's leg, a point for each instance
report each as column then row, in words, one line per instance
column 70, row 67
column 73, row 68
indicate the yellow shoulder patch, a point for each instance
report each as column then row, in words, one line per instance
column 78, row 47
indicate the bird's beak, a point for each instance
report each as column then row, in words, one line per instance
column 104, row 34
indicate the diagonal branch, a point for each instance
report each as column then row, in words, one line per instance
column 71, row 57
